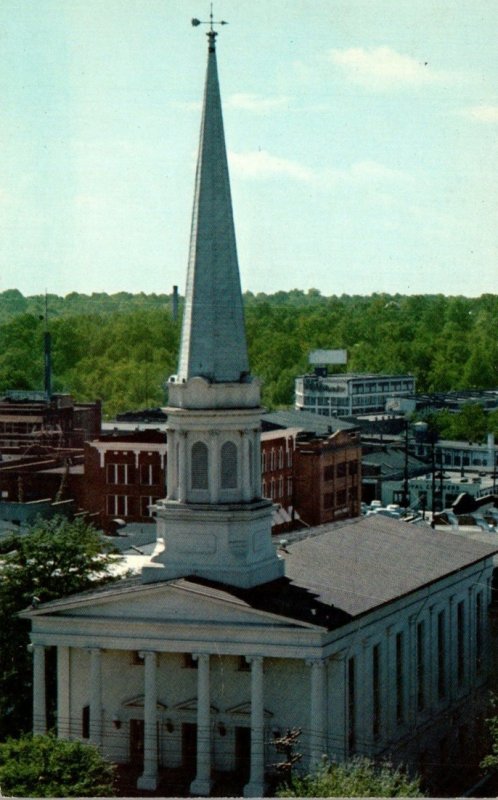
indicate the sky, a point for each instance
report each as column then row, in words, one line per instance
column 362, row 138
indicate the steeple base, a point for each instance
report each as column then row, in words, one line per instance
column 229, row 544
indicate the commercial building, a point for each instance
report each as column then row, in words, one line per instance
column 349, row 394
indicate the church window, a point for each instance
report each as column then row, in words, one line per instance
column 229, row 466
column 351, row 705
column 376, row 689
column 421, row 665
column 85, row 722
column 199, row 476
column 400, row 679
column 441, row 655
column 460, row 642
column 479, row 648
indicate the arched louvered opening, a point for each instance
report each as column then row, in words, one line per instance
column 199, row 464
column 229, row 478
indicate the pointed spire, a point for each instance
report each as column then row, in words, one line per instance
column 213, row 342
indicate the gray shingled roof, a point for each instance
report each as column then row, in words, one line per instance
column 360, row 564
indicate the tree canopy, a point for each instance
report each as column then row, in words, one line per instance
column 55, row 558
column 123, row 347
column 43, row 766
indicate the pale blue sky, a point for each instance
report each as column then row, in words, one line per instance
column 362, row 138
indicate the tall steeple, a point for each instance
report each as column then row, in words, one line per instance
column 213, row 522
column 213, row 342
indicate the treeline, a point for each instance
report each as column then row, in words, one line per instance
column 123, row 347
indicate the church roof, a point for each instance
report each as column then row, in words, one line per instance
column 213, row 342
column 360, row 564
column 334, row 573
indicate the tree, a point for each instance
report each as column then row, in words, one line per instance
column 358, row 777
column 57, row 557
column 43, row 766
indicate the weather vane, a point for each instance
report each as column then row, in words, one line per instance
column 212, row 34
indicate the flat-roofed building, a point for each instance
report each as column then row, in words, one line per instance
column 349, row 394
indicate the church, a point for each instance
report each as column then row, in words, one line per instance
column 371, row 636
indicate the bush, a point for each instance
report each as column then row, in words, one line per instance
column 358, row 777
column 43, row 766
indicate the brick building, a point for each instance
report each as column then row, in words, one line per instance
column 125, row 476
column 28, row 420
column 327, row 476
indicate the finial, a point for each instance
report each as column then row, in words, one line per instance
column 211, row 34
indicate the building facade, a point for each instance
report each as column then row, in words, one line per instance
column 349, row 394
column 327, row 477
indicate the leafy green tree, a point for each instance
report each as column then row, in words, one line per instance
column 43, row 766
column 358, row 777
column 57, row 557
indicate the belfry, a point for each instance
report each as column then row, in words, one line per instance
column 214, row 522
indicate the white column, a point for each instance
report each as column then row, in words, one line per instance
column 255, row 787
column 202, row 783
column 182, row 467
column 96, row 696
column 39, row 690
column 63, row 695
column 256, row 463
column 171, row 465
column 245, row 467
column 148, row 780
column 214, row 467
column 318, row 706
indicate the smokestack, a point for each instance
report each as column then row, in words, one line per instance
column 175, row 304
column 47, row 339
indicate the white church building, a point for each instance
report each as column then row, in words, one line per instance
column 370, row 635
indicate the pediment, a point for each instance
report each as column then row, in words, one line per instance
column 191, row 705
column 176, row 602
column 138, row 702
column 244, row 710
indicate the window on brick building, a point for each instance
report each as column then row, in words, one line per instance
column 280, row 457
column 353, row 467
column 289, row 454
column 120, row 473
column 280, row 486
column 148, row 474
column 263, row 488
column 341, row 498
column 341, row 469
column 263, row 461
column 117, row 505
column 328, row 499
column 328, row 472
column 146, row 501
column 289, row 487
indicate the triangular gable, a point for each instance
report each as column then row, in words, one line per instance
column 138, row 702
column 244, row 709
column 191, row 705
column 170, row 602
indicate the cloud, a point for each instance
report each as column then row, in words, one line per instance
column 262, row 165
column 481, row 113
column 382, row 68
column 256, row 103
